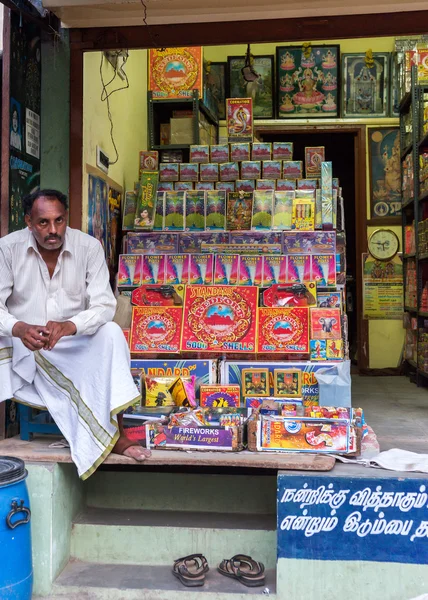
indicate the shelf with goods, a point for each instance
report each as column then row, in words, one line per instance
column 176, row 124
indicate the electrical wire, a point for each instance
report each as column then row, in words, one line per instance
column 105, row 97
column 149, row 31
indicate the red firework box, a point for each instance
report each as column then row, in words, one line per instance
column 158, row 295
column 220, row 396
column 149, row 160
column 239, row 117
column 325, row 324
column 314, row 156
column 175, row 72
column 155, row 329
column 283, row 330
column 220, row 319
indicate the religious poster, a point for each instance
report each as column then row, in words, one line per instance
column 175, row 72
column 113, row 230
column 385, row 177
column 260, row 88
column 308, row 81
column 382, row 288
column 365, row 85
column 239, row 118
column 215, row 79
column 98, row 210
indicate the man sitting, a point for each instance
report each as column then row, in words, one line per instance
column 59, row 349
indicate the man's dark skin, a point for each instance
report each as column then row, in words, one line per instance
column 48, row 223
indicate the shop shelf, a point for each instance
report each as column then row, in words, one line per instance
column 208, row 113
column 423, row 197
column 412, row 363
column 405, row 102
column 423, row 257
column 409, row 309
column 406, row 151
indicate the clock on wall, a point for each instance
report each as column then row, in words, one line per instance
column 383, row 244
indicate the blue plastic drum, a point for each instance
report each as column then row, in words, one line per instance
column 16, row 569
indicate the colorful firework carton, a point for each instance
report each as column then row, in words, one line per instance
column 225, row 186
column 209, row 172
column 149, row 160
column 129, row 208
column 265, row 184
column 282, row 210
column 204, row 186
column 272, row 169
column 129, row 269
column 155, row 329
column 245, row 185
column 194, row 242
column 282, row 150
column 152, row 269
column 325, row 324
column 219, row 153
column 318, row 349
column 292, row 169
column 220, row 319
column 250, row 269
column 146, row 200
column 165, row 186
column 159, row 211
column 274, row 270
column 261, row 151
column 174, row 211
column 290, row 295
column 260, row 238
column 169, row 172
column 308, row 242
column 226, row 269
column 215, row 211
column 194, row 438
column 334, row 349
column 327, row 194
column 299, row 268
column 239, row 119
column 220, row 396
column 195, row 211
column 240, row 151
column 229, row 171
column 152, row 243
column 307, row 184
column 303, row 434
column 199, row 153
column 286, row 185
column 251, row 169
column 323, row 268
column 303, row 216
column 239, row 211
column 262, row 211
column 283, row 330
column 200, row 269
column 183, row 186
column 329, row 299
column 189, row 172
column 314, row 156
column 176, row 268
column 158, row 295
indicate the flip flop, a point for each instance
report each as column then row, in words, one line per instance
column 190, row 570
column 243, row 568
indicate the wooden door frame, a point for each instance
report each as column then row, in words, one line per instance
column 359, row 131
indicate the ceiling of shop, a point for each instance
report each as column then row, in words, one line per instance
column 112, row 13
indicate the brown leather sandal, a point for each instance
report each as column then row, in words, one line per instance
column 190, row 570
column 244, row 569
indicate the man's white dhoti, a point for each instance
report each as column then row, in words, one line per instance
column 84, row 382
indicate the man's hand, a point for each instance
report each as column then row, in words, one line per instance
column 34, row 337
column 58, row 330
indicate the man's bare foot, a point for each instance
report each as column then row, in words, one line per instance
column 137, row 452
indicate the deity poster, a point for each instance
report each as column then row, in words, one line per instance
column 308, row 81
column 239, row 211
column 366, row 85
column 283, row 330
column 385, row 177
column 155, row 329
column 175, row 72
column 239, row 116
column 220, row 319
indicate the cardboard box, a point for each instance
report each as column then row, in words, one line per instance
column 283, row 330
column 181, row 130
column 155, row 329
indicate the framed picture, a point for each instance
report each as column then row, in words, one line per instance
column 255, row 382
column 385, row 180
column 261, row 90
column 394, row 87
column 287, row 383
column 215, row 74
column 365, row 88
column 308, row 81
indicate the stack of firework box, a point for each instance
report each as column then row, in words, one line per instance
column 237, row 293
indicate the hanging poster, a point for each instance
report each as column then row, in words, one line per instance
column 365, row 85
column 382, row 288
column 308, row 81
column 98, row 210
column 260, row 89
column 385, row 177
column 113, row 230
column 215, row 79
column 175, row 72
column 239, row 115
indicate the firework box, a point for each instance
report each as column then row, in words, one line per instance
column 286, row 185
column 272, row 169
column 220, row 319
column 165, row 186
column 194, row 203
column 250, row 248
column 239, row 210
column 308, row 242
column 318, row 209
column 327, row 194
column 261, row 151
column 283, row 330
column 262, row 211
column 257, row 237
column 229, row 171
column 169, row 172
column 146, row 200
column 314, row 156
column 226, row 269
column 215, row 210
column 290, row 295
column 129, row 269
column 219, row 153
column 175, row 72
column 274, row 270
column 192, row 242
column 129, row 208
column 189, row 172
column 323, row 269
column 208, row 172
column 292, row 169
column 325, row 323
column 200, row 269
column 206, row 437
column 239, row 152
column 303, row 216
column 220, row 396
column 158, row 295
column 239, row 119
column 250, row 270
column 199, row 154
column 204, row 186
column 265, row 184
column 155, row 329
column 245, row 185
column 152, row 269
column 329, row 299
column 282, row 150
column 307, row 184
column 174, row 211
column 251, row 169
column 225, row 186
column 326, row 349
column 149, row 160
column 152, row 243
column 183, row 186
column 204, row 370
column 303, row 434
column 176, row 268
column 282, row 210
column 299, row 268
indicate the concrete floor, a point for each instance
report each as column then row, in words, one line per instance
column 396, row 410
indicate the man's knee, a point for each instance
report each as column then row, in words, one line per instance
column 110, row 330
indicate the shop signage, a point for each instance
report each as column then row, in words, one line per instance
column 359, row 519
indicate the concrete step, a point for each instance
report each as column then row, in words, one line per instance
column 140, row 537
column 90, row 581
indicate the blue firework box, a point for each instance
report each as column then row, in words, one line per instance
column 231, row 373
column 205, row 371
column 152, row 243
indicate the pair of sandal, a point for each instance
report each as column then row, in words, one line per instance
column 191, row 570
